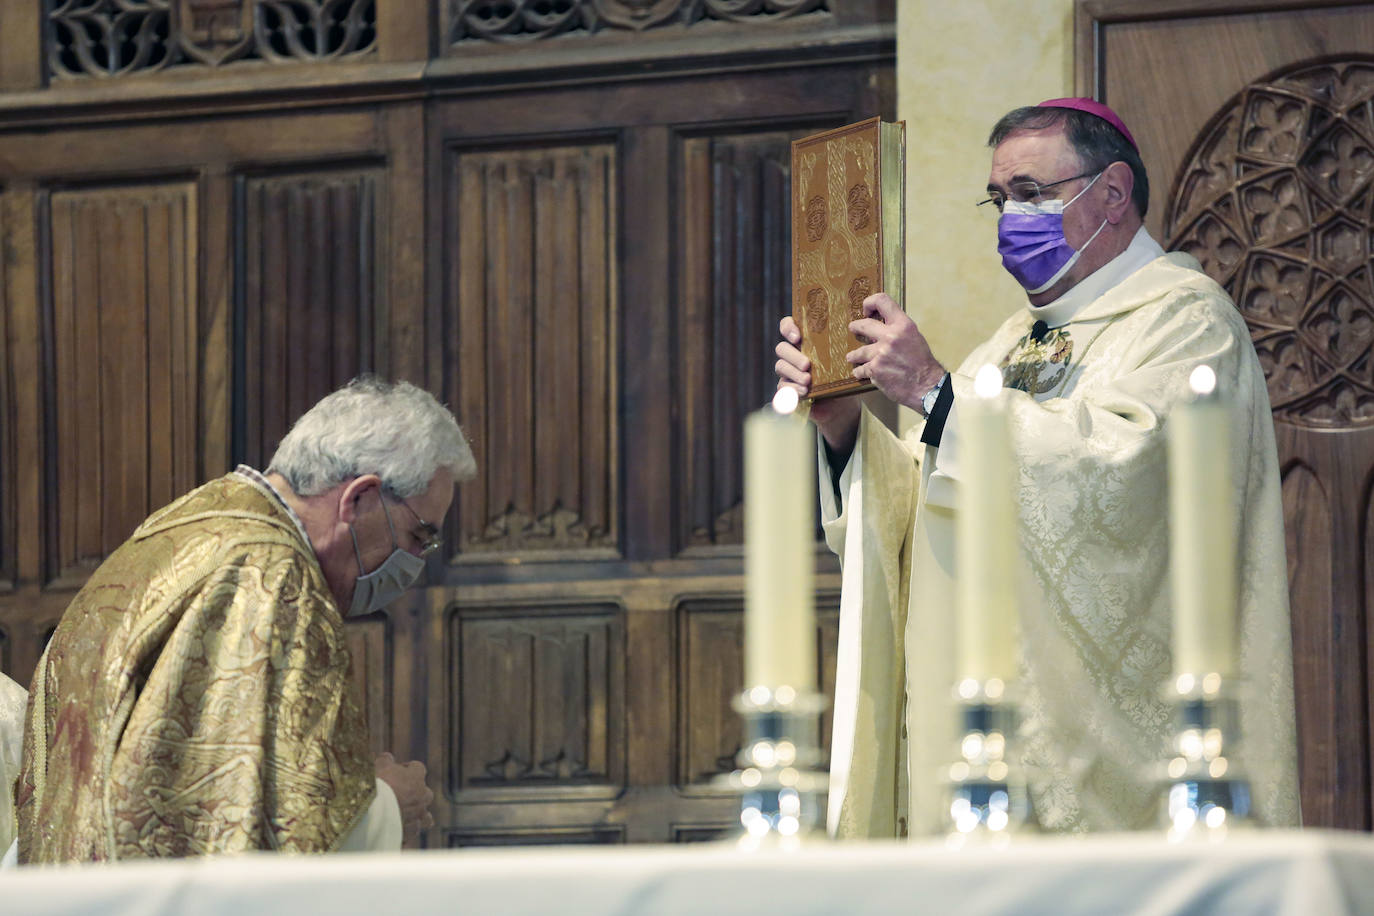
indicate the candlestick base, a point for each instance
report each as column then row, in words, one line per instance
column 780, row 781
column 988, row 798
column 1206, row 791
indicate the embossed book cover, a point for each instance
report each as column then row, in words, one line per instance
column 847, row 223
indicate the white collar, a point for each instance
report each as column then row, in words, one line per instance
column 1061, row 311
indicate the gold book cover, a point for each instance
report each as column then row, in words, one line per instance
column 847, row 226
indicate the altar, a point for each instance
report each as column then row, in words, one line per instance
column 1281, row 872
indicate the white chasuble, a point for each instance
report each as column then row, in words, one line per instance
column 1088, row 417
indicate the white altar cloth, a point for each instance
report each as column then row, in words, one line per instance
column 1310, row 872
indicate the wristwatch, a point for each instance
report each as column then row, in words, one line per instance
column 933, row 395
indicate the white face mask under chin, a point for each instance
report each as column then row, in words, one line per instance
column 377, row 589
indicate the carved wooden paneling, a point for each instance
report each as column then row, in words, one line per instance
column 307, row 296
column 122, row 382
column 103, row 38
column 1276, row 201
column 526, row 20
column 531, row 339
column 370, row 652
column 734, row 283
column 549, row 718
column 8, row 457
column 563, row 836
column 1307, row 526
column 711, row 674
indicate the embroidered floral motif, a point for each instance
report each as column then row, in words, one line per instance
column 1038, row 366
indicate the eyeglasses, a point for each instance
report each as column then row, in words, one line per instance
column 1028, row 192
column 428, row 537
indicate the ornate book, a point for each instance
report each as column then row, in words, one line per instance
column 847, row 226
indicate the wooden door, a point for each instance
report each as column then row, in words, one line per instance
column 1256, row 120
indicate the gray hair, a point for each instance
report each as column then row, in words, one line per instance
column 396, row 431
column 1097, row 143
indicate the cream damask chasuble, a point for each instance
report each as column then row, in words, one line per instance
column 1087, row 420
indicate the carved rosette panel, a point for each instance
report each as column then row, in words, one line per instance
column 103, row 38
column 560, row 675
column 530, row 338
column 506, row 20
column 1276, row 201
column 735, row 207
column 122, row 331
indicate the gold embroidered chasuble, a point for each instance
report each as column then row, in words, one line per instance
column 195, row 697
column 1088, row 423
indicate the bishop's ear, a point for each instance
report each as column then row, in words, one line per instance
column 1120, row 182
column 357, row 496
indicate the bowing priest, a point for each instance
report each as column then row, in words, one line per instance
column 1098, row 356
column 195, row 697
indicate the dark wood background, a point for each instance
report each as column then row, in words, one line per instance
column 567, row 218
column 1256, row 118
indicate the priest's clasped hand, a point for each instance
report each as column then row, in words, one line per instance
column 895, row 356
column 407, row 780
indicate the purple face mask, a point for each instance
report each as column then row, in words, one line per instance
column 1030, row 238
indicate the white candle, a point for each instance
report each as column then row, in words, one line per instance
column 985, row 528
column 779, row 540
column 1202, row 531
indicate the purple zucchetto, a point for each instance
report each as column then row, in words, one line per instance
column 1095, row 108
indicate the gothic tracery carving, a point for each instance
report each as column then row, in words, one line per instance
column 507, row 20
column 1276, row 200
column 105, row 38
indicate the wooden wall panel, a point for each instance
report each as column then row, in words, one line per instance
column 733, row 283
column 550, row 716
column 1262, row 163
column 513, row 242
column 531, row 339
column 308, row 295
column 8, row 462
column 1307, row 526
column 544, row 836
column 122, row 331
column 711, row 675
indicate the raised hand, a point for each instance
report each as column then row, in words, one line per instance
column 836, row 418
column 895, row 356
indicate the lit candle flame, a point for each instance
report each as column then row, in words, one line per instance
column 988, row 381
column 786, row 400
column 1203, row 380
